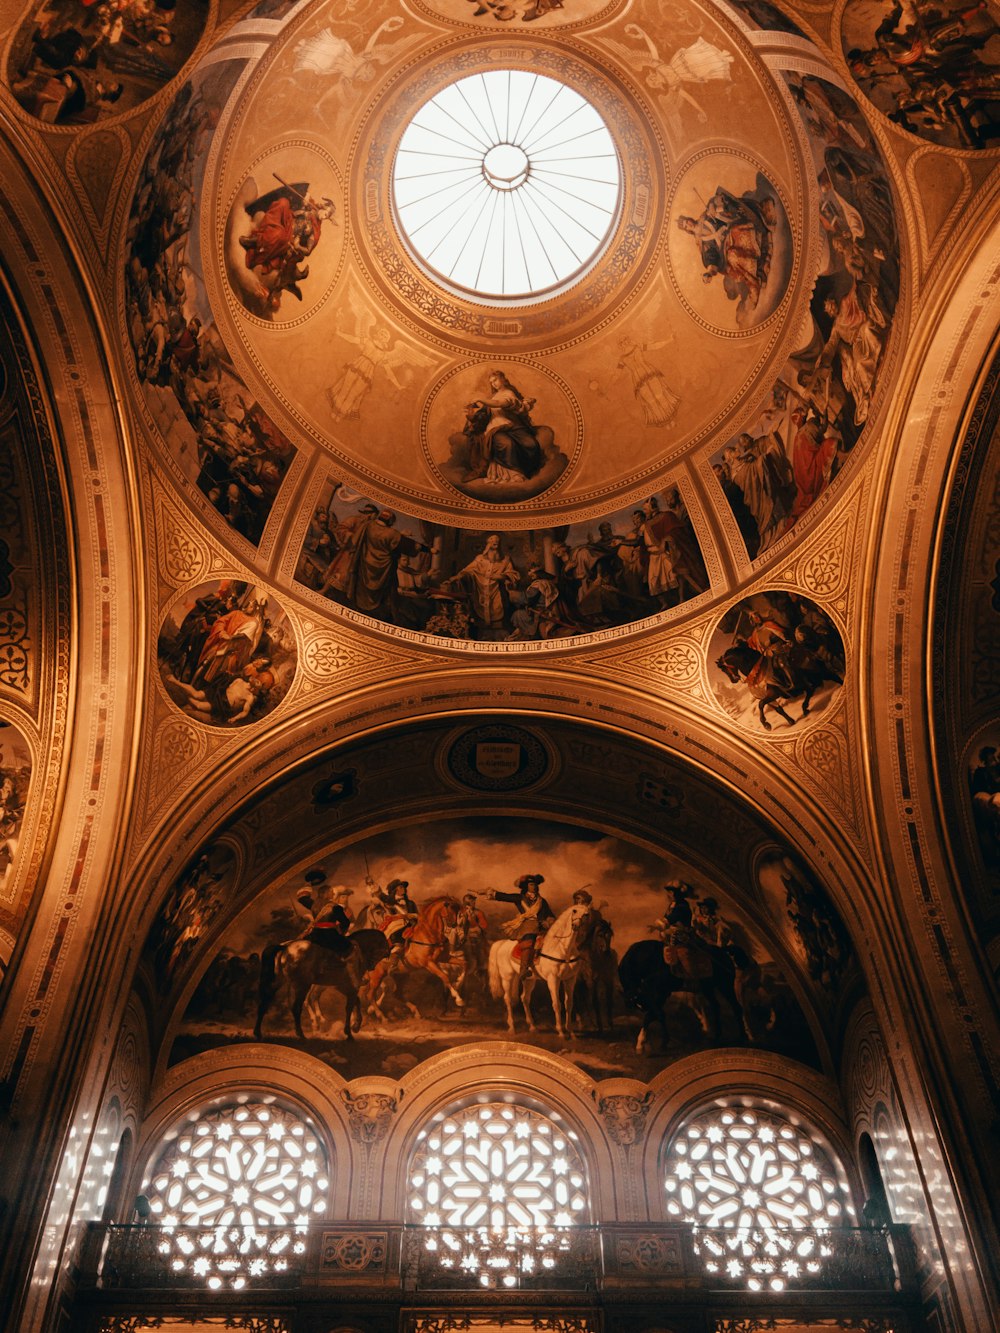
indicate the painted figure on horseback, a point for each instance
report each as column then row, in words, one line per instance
column 534, row 916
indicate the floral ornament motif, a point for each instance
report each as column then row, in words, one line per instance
column 822, row 750
column 324, row 657
column 183, row 558
column 14, row 648
column 677, row 660
column 822, row 573
column 181, row 746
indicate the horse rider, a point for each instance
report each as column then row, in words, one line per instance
column 471, row 926
column 327, row 924
column 401, row 914
column 534, row 916
column 713, row 928
column 684, row 950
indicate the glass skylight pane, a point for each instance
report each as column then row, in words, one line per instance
column 507, row 184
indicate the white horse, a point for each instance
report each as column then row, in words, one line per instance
column 556, row 963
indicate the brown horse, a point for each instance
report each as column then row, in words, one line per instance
column 425, row 948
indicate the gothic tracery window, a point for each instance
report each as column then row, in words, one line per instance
column 762, row 1193
column 497, row 1186
column 234, row 1190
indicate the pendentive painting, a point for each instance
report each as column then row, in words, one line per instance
column 984, row 793
column 774, row 659
column 75, row 62
column 811, row 923
column 931, row 66
column 216, row 432
column 422, row 938
column 522, row 586
column 15, row 775
column 227, row 653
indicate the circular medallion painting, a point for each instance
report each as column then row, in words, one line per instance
column 774, row 660
column 730, row 243
column 226, row 653
column 501, row 432
column 284, row 238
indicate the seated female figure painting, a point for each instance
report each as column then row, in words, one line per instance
column 501, row 453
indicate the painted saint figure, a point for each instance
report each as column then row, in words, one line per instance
column 503, row 440
column 286, row 226
column 735, row 239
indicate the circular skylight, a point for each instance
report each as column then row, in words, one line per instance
column 507, row 185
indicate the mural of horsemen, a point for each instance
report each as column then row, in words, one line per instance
column 775, row 658
column 419, row 939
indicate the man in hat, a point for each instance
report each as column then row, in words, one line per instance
column 534, row 916
column 325, row 918
column 401, row 913
column 712, row 928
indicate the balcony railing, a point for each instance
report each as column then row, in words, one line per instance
column 580, row 1259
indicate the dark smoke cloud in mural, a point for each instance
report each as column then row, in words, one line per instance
column 520, row 586
column 221, row 438
column 432, row 927
column 75, row 62
column 776, row 469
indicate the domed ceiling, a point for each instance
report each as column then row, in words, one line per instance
column 428, row 351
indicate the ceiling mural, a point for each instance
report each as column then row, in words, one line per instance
column 933, row 69
column 783, row 461
column 773, row 651
column 226, row 653
column 15, row 777
column 295, row 304
column 469, row 929
column 74, row 62
column 523, row 587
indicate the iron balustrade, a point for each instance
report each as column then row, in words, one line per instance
column 616, row 1256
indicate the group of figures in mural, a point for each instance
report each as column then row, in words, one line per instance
column 777, row 468
column 238, row 456
column 15, row 774
column 226, row 653
column 771, row 649
column 75, row 61
column 520, row 586
column 534, row 965
column 933, row 68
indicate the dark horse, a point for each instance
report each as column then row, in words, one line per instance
column 598, row 969
column 648, row 982
column 786, row 675
column 302, row 964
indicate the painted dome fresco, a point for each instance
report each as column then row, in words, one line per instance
column 511, row 324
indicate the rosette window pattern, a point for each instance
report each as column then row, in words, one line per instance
column 768, row 1203
column 232, row 1193
column 499, row 1197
